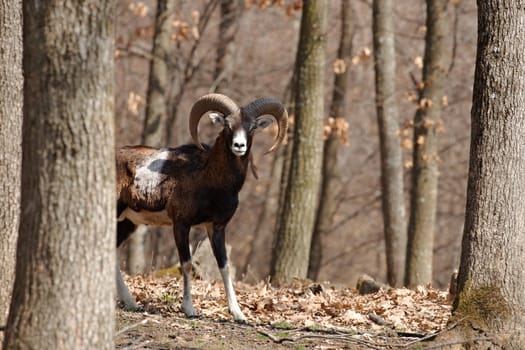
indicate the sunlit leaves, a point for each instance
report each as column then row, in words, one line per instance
column 339, row 66
column 290, row 6
column 418, row 61
column 337, row 126
column 135, row 101
column 140, row 9
column 185, row 31
column 364, row 55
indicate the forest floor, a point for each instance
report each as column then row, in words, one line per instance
column 302, row 315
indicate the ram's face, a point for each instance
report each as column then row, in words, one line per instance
column 239, row 130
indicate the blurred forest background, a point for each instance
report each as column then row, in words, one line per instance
column 261, row 48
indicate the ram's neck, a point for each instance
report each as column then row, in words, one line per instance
column 227, row 169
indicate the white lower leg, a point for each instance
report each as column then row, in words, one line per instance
column 123, row 292
column 230, row 294
column 187, row 302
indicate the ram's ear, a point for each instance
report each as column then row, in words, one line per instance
column 264, row 122
column 217, row 118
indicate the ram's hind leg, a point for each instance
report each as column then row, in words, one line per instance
column 216, row 236
column 124, row 229
column 181, row 234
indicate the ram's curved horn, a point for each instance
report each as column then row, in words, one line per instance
column 207, row 103
column 273, row 107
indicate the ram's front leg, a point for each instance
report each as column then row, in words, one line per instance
column 181, row 234
column 216, row 236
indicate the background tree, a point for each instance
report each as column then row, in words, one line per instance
column 292, row 246
column 264, row 66
column 186, row 63
column 392, row 194
column 336, row 125
column 156, row 114
column 226, row 48
column 63, row 295
column 491, row 279
column 269, row 218
column 11, row 100
column 427, row 125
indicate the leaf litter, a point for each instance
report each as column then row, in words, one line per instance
column 321, row 314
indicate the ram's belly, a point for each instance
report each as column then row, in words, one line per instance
column 145, row 217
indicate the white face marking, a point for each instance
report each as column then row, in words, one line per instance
column 239, row 142
column 147, row 180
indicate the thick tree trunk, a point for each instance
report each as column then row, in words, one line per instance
column 63, row 295
column 292, row 248
column 329, row 185
column 491, row 277
column 11, row 100
column 393, row 201
column 427, row 123
column 155, row 118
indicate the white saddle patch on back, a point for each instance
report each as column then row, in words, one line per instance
column 147, row 181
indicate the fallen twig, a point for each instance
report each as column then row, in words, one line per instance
column 464, row 341
column 378, row 320
column 130, row 327
column 344, row 337
column 273, row 338
column 141, row 345
column 435, row 334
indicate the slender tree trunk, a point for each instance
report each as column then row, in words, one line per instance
column 427, row 123
column 155, row 119
column 11, row 101
column 491, row 277
column 63, row 295
column 156, row 107
column 393, row 202
column 331, row 173
column 188, row 68
column 226, row 48
column 261, row 243
column 136, row 253
column 273, row 202
column 292, row 248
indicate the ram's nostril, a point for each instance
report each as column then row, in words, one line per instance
column 238, row 145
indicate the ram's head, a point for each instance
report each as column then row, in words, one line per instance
column 239, row 123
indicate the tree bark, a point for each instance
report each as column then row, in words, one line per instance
column 226, row 48
column 155, row 118
column 331, row 172
column 427, row 123
column 11, row 101
column 491, row 278
column 291, row 251
column 63, row 295
column 273, row 202
column 392, row 188
column 156, row 107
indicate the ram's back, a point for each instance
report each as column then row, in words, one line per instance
column 146, row 176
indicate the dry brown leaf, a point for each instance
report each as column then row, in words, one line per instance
column 424, row 310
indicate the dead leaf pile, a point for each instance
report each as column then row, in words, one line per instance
column 302, row 304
